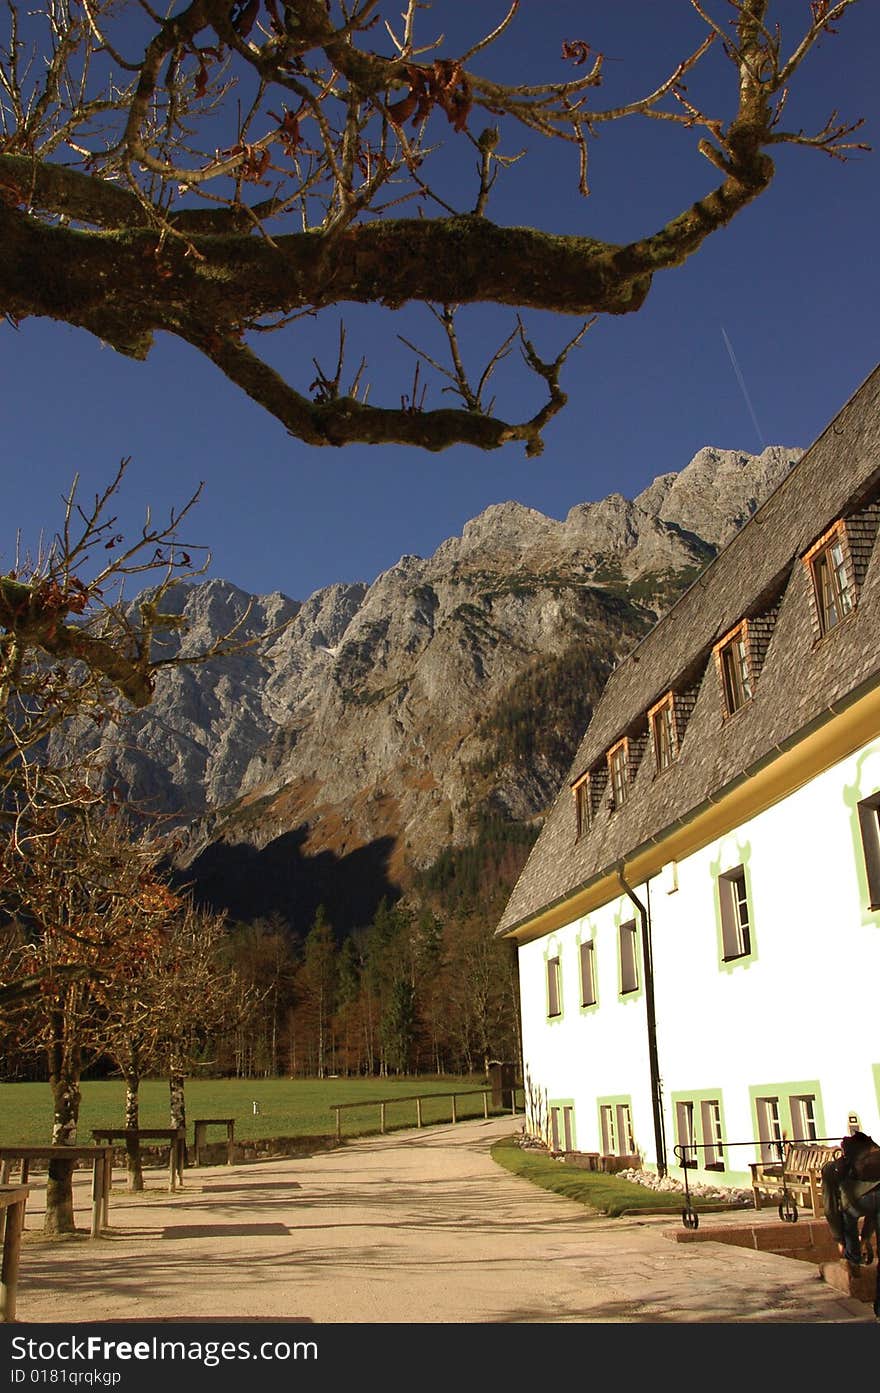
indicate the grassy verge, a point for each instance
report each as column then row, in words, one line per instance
column 605, row 1193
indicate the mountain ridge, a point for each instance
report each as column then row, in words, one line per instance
column 387, row 721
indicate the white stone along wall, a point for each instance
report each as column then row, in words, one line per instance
column 798, row 1016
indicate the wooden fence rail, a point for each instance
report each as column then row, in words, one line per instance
column 101, row 1158
column 419, row 1099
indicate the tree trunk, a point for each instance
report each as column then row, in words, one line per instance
column 178, row 1109
column 132, row 1122
column 64, row 1071
column 59, row 1184
column 177, row 1099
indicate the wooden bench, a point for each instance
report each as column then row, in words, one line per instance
column 174, row 1136
column 200, row 1128
column 101, row 1158
column 800, row 1173
column 13, row 1199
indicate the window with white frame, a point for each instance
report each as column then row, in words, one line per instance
column 588, row 973
column 582, row 805
column 803, row 1117
column 734, row 668
column 629, row 957
column 830, row 567
column 869, row 824
column 661, row 719
column 568, row 1127
column 618, row 772
column 684, row 1131
column 699, row 1133
column 618, row 1138
column 736, row 935
column 769, row 1129
column 713, row 1135
column 625, row 1137
column 609, row 1130
column 554, row 998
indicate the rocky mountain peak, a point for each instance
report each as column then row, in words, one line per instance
column 507, row 530
column 718, row 490
column 377, row 723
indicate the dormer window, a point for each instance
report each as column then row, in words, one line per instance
column 618, row 772
column 582, row 805
column 734, row 668
column 831, row 575
column 661, row 719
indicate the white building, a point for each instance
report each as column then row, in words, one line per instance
column 699, row 922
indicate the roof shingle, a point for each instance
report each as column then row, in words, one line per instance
column 799, row 679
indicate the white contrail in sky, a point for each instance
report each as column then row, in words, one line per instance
column 743, row 388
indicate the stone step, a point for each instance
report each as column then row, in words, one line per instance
column 858, row 1282
column 808, row 1240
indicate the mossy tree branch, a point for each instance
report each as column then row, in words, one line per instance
column 100, row 226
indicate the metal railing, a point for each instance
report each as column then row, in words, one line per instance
column 787, row 1207
column 419, row 1099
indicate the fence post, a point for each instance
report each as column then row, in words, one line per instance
column 11, row 1250
column 382, row 1117
column 485, row 1103
column 454, row 1118
column 337, row 1110
column 108, row 1184
column 99, row 1177
column 418, row 1112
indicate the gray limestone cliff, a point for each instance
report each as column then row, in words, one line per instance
column 451, row 688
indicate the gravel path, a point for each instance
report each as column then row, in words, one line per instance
column 416, row 1227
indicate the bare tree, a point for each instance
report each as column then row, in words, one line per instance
column 73, row 649
column 89, row 910
column 70, row 644
column 233, row 168
column 196, row 998
column 90, row 913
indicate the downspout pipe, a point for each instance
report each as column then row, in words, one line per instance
column 650, row 1013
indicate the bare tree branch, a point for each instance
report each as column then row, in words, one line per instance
column 118, row 172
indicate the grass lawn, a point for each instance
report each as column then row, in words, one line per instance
column 286, row 1107
column 605, row 1193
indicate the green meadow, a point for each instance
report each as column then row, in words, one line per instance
column 284, row 1107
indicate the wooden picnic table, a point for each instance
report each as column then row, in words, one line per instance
column 101, row 1158
column 174, row 1136
column 201, row 1125
column 13, row 1199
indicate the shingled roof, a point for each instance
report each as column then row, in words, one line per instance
column 758, row 575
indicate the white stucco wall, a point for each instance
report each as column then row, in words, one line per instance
column 800, row 1014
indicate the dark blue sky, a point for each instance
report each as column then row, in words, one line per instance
column 793, row 283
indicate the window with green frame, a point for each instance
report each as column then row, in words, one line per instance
column 736, row 928
column 786, row 1112
column 616, row 1127
column 588, row 973
column 629, row 957
column 699, row 1129
column 554, row 994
